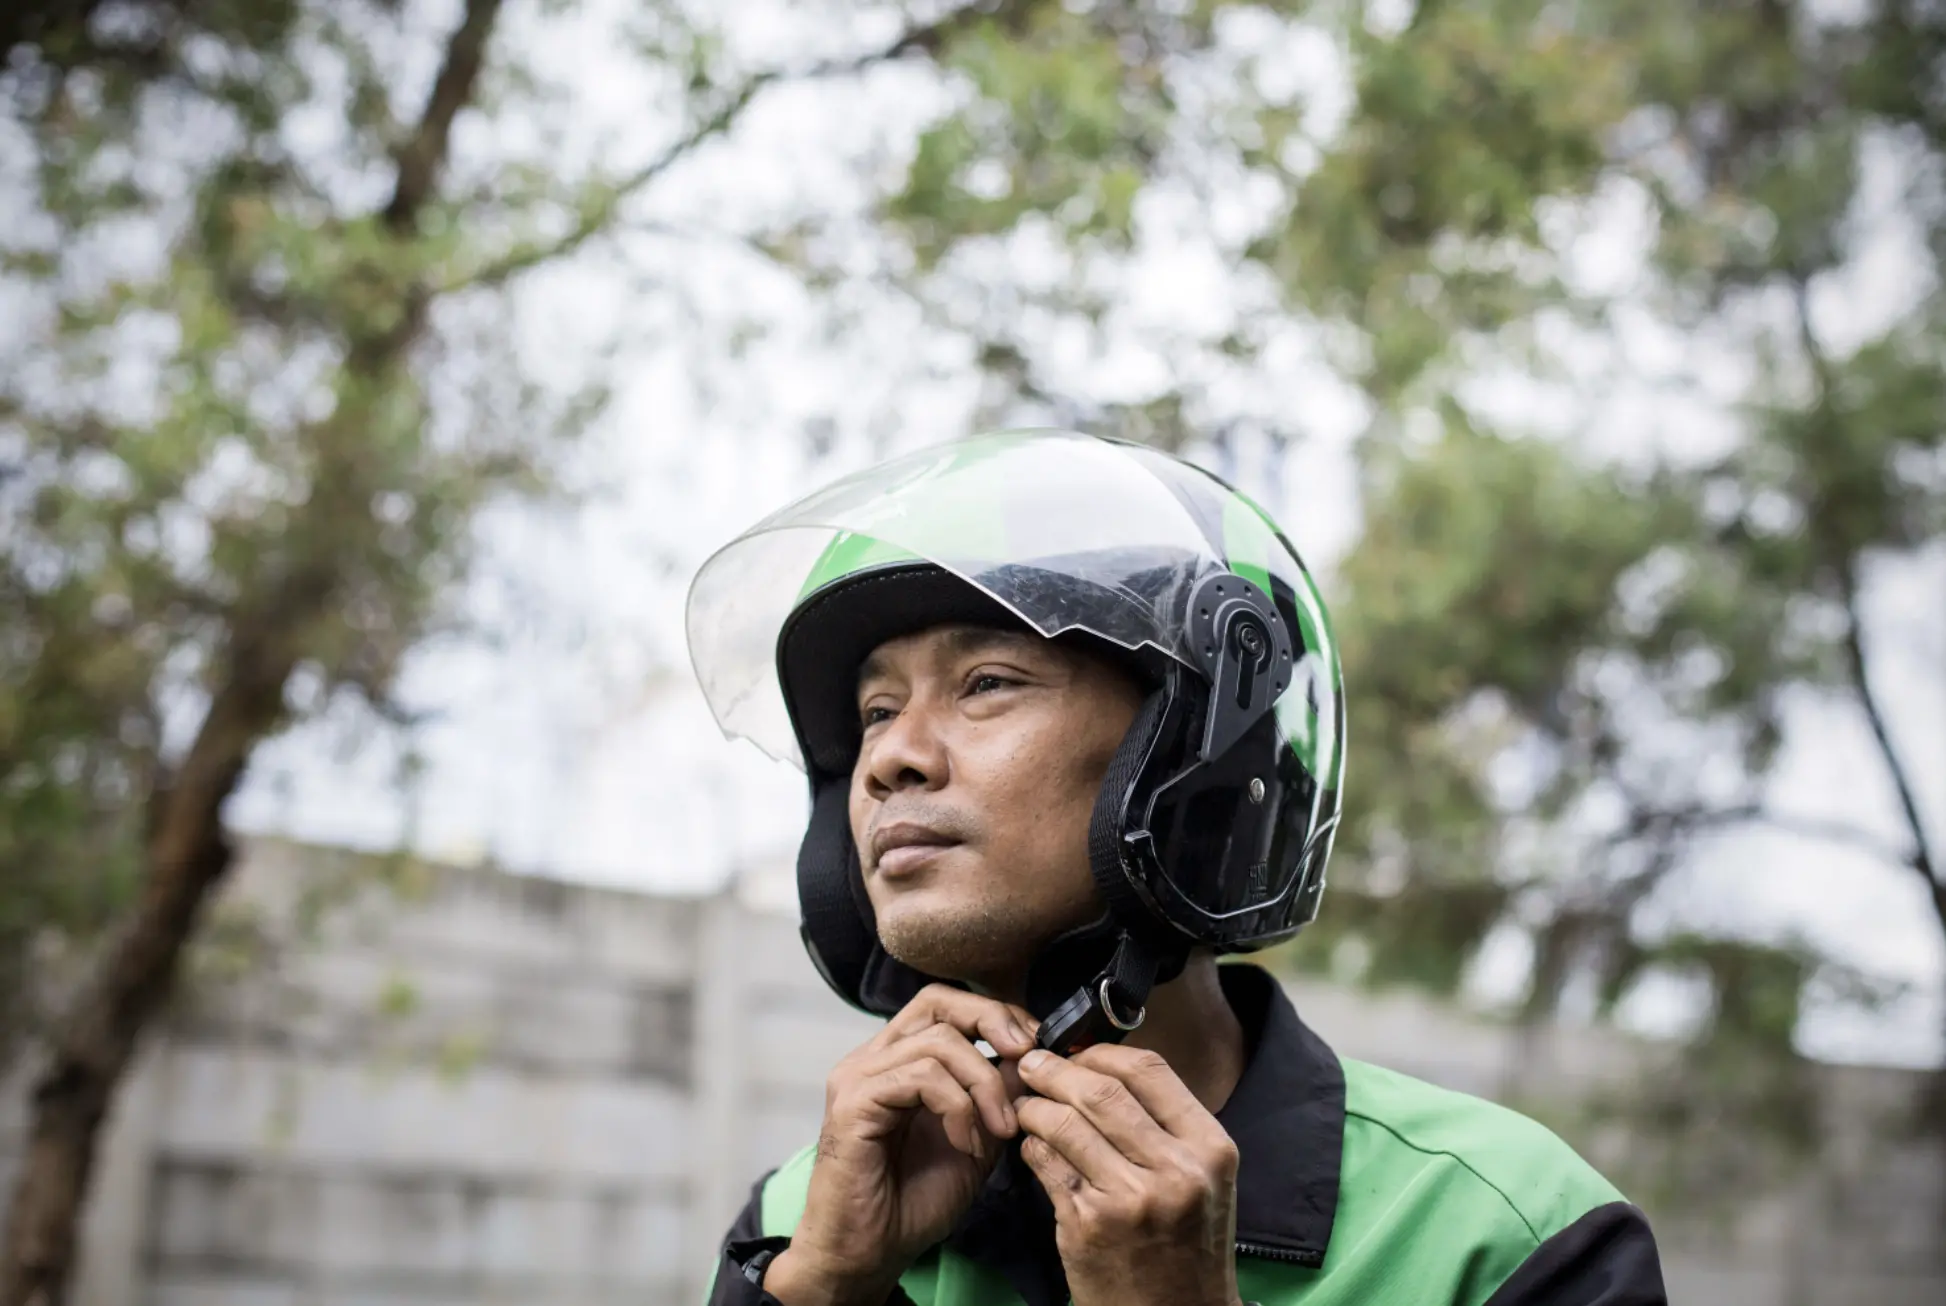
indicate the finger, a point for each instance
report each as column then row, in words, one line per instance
column 1155, row 1086
column 925, row 1083
column 1009, row 1029
column 1104, row 1101
column 974, row 1072
column 1061, row 1181
column 1078, row 1142
column 1010, row 1076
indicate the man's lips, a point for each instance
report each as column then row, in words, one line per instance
column 902, row 847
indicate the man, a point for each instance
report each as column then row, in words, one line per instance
column 1071, row 715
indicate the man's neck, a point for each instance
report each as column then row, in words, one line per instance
column 1190, row 1025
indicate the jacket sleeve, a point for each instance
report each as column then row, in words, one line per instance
column 1606, row 1258
column 746, row 1252
column 742, row 1256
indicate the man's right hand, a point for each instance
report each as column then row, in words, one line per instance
column 912, row 1126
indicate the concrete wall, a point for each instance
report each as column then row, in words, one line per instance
column 482, row 1089
column 476, row 1088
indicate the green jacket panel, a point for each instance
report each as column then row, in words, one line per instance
column 1441, row 1197
column 1357, row 1186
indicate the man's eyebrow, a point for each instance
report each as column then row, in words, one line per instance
column 959, row 641
column 962, row 640
column 872, row 668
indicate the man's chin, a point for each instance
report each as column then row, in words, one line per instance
column 970, row 944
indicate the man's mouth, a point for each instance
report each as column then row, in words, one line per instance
column 903, row 847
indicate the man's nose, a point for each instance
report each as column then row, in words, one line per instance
column 908, row 753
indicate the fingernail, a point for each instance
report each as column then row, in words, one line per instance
column 1021, row 1033
column 1034, row 1060
column 979, row 1147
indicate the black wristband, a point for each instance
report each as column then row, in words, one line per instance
column 752, row 1257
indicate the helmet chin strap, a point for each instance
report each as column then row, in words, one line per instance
column 1113, row 1004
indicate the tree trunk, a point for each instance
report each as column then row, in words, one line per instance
column 188, row 852
column 186, row 856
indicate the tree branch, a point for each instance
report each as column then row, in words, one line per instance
column 596, row 218
column 424, row 153
column 186, row 856
column 1665, row 824
column 1922, row 857
column 928, row 39
column 1837, row 832
column 1648, row 818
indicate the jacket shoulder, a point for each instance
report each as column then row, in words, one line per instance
column 1522, row 1163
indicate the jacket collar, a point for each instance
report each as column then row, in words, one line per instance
column 1286, row 1116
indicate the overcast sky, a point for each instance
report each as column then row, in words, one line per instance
column 579, row 745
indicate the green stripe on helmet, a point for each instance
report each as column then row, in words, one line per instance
column 849, row 553
column 978, row 535
column 1250, row 540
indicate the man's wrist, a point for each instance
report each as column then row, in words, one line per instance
column 796, row 1277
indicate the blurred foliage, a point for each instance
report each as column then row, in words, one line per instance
column 1631, row 636
column 259, row 386
column 1743, row 1112
column 257, row 390
column 1567, row 669
column 266, row 387
column 218, row 458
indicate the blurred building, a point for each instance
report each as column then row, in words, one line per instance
column 453, row 1087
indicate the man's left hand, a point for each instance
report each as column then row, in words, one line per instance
column 1142, row 1177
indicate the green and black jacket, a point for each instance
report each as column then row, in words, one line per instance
column 1356, row 1187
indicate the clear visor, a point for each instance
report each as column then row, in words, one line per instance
column 1069, row 532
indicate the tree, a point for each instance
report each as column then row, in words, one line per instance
column 316, row 535
column 1570, row 668
column 253, row 454
column 1535, row 598
column 264, row 392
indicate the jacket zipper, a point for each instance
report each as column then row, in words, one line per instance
column 1309, row 1260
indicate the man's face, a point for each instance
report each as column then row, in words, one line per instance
column 983, row 753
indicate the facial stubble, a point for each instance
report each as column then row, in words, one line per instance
column 986, row 943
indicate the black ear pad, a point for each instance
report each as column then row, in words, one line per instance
column 1110, row 821
column 1111, row 808
column 839, row 930
column 889, row 984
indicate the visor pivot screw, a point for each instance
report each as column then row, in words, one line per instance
column 1256, row 790
column 1252, row 640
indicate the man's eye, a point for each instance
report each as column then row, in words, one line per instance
column 873, row 716
column 987, row 683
